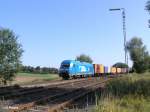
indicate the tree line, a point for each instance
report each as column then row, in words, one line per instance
column 38, row 70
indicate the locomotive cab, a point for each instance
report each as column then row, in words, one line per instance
column 66, row 69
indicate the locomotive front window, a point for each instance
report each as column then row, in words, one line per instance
column 65, row 66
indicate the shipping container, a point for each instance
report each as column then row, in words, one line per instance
column 109, row 69
column 101, row 68
column 113, row 70
column 98, row 68
column 106, row 70
column 123, row 70
column 118, row 70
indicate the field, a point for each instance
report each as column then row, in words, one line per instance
column 130, row 93
column 28, row 78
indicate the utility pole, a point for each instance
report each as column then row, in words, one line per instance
column 124, row 31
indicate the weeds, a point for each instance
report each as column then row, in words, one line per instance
column 126, row 94
column 128, row 85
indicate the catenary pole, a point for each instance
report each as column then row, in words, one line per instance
column 124, row 31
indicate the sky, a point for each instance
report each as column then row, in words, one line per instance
column 51, row 31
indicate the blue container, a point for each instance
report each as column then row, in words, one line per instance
column 69, row 68
column 105, row 69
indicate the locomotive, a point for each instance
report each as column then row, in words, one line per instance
column 73, row 69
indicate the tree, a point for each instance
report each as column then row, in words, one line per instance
column 138, row 54
column 84, row 58
column 148, row 6
column 147, row 62
column 37, row 69
column 148, row 9
column 10, row 54
column 45, row 70
column 120, row 65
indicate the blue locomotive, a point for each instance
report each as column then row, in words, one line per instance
column 73, row 68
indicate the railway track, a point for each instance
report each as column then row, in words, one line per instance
column 47, row 91
column 15, row 92
column 59, row 103
column 51, row 90
column 58, row 97
column 53, row 83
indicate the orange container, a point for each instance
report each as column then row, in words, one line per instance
column 95, row 68
column 113, row 70
column 98, row 68
column 101, row 68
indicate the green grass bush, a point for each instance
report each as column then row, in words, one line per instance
column 125, row 104
column 129, row 93
column 128, row 85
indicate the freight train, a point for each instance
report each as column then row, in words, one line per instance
column 73, row 69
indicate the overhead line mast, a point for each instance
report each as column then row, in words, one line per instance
column 124, row 31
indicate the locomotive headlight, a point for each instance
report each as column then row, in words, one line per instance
column 71, row 64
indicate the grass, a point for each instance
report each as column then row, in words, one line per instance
column 29, row 78
column 133, row 84
column 130, row 93
column 42, row 76
column 136, row 76
column 127, row 103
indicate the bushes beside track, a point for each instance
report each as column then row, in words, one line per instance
column 39, row 70
column 128, row 85
column 129, row 93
